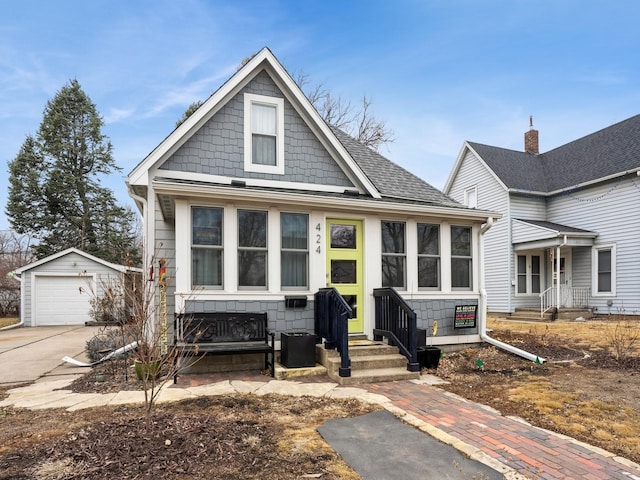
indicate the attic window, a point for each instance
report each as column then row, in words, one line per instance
column 471, row 197
column 263, row 134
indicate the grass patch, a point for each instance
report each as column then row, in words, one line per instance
column 572, row 416
column 5, row 322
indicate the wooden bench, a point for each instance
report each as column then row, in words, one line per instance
column 222, row 333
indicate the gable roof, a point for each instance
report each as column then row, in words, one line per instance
column 608, row 153
column 263, row 60
column 68, row 251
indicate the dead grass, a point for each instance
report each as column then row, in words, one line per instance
column 6, row 321
column 596, row 405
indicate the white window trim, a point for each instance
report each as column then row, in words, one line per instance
column 397, row 255
column 529, row 274
column 594, row 270
column 471, row 192
column 424, row 255
column 281, row 249
column 472, row 258
column 278, row 103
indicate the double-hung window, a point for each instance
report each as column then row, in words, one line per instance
column 263, row 134
column 604, row 270
column 428, row 256
column 252, row 249
column 528, row 274
column 394, row 256
column 461, row 268
column 294, row 254
column 206, row 247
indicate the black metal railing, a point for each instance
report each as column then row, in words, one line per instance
column 332, row 314
column 396, row 320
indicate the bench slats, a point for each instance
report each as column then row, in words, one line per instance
column 221, row 333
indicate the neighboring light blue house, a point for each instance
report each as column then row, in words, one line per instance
column 570, row 234
column 256, row 204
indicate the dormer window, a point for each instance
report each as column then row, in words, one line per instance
column 263, row 134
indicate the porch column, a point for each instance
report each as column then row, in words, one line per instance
column 557, row 278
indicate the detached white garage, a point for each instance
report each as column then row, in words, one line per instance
column 56, row 290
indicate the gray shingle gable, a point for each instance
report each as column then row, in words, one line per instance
column 610, row 151
column 390, row 179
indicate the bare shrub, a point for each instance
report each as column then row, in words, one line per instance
column 139, row 306
column 623, row 336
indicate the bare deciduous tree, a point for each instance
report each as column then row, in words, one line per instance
column 357, row 122
column 14, row 253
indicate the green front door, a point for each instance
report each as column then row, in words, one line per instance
column 345, row 266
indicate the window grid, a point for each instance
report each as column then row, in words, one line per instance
column 294, row 253
column 394, row 256
column 428, row 256
column 206, row 247
column 461, row 267
column 252, row 249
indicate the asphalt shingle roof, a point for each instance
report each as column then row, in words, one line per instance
column 610, row 151
column 555, row 226
column 390, row 179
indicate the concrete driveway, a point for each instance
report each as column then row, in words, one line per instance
column 30, row 353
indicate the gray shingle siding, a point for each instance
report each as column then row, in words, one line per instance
column 280, row 319
column 218, row 147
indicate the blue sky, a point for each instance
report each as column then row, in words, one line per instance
column 439, row 72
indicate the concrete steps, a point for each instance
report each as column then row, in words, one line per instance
column 370, row 362
column 533, row 315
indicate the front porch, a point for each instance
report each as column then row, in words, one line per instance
column 553, row 270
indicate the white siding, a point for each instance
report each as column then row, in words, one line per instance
column 491, row 196
column 612, row 211
column 528, row 207
column 523, row 232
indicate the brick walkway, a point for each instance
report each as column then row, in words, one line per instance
column 531, row 451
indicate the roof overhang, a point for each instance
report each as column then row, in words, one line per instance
column 531, row 236
column 168, row 190
column 68, row 251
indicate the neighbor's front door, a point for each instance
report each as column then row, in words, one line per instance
column 345, row 267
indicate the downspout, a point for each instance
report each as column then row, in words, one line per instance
column 483, row 306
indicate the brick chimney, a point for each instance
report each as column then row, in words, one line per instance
column 531, row 144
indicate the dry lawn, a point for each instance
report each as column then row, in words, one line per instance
column 584, row 390
column 5, row 322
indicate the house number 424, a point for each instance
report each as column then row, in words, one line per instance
column 318, row 238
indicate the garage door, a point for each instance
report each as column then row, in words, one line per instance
column 58, row 300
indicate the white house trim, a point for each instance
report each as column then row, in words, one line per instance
column 316, row 201
column 252, row 182
column 249, row 100
column 119, row 268
column 140, row 174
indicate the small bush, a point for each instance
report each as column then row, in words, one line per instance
column 623, row 336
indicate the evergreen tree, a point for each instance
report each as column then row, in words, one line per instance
column 55, row 193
